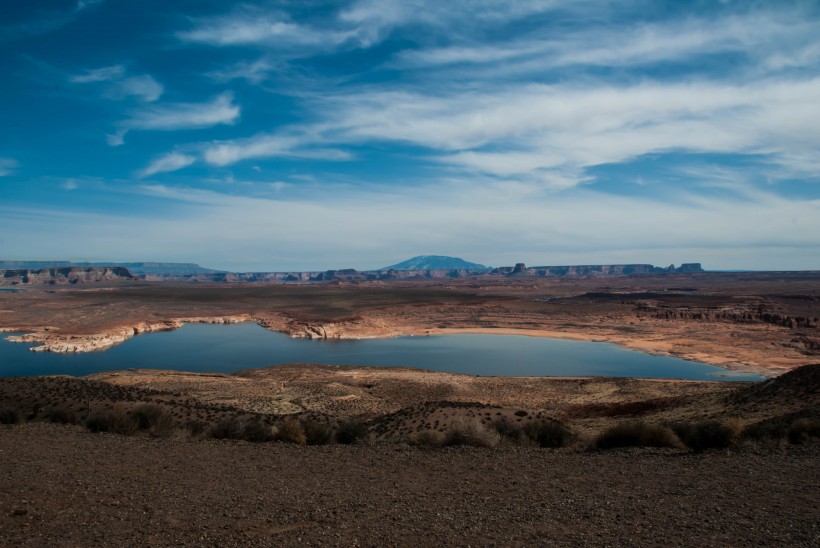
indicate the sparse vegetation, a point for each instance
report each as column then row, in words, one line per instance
column 427, row 438
column 153, row 419
column 291, row 431
column 114, row 422
column 710, row 434
column 60, row 415
column 804, row 430
column 637, row 434
column 471, row 431
column 351, row 432
column 548, row 433
column 317, row 433
column 10, row 415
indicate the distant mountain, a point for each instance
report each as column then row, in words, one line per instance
column 435, row 262
column 164, row 269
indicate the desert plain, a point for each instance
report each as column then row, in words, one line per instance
column 400, row 481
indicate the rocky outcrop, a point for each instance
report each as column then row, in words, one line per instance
column 63, row 276
column 751, row 314
column 50, row 341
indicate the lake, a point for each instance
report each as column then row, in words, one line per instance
column 229, row 348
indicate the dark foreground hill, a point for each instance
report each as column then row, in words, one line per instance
column 64, row 486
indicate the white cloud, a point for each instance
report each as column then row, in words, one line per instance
column 168, row 162
column 69, row 184
column 490, row 222
column 255, row 27
column 254, row 72
column 178, row 116
column 120, row 86
column 518, row 129
column 269, row 146
column 143, row 87
column 102, row 74
column 7, row 166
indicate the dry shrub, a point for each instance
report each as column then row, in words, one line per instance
column 291, row 431
column 196, row 428
column 256, row 431
column 428, row 438
column 509, row 430
column 60, row 415
column 10, row 415
column 637, row 434
column 548, row 433
column 471, row 432
column 114, row 422
column 317, row 433
column 804, row 430
column 153, row 419
column 709, row 434
column 234, row 428
column 351, row 432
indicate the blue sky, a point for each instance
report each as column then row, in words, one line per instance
column 314, row 135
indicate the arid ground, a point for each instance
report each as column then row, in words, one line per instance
column 758, row 322
column 393, row 460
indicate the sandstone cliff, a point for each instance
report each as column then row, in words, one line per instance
column 63, row 276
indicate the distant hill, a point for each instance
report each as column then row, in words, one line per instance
column 164, row 269
column 435, row 262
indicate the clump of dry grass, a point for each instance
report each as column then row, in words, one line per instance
column 291, row 431
column 637, row 434
column 472, row 432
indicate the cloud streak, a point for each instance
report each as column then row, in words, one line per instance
column 220, row 110
column 168, row 162
column 121, row 86
column 7, row 166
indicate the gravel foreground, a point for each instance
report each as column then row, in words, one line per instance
column 63, row 486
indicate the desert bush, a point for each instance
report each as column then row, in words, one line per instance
column 521, row 413
column 10, row 415
column 548, row 433
column 427, row 438
column 709, row 434
column 291, row 431
column 351, row 432
column 153, row 419
column 60, row 415
column 196, row 428
column 471, row 432
column 317, row 433
column 115, row 422
column 234, row 428
column 637, row 434
column 509, row 430
column 804, row 430
column 227, row 428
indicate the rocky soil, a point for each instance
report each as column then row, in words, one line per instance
column 63, row 486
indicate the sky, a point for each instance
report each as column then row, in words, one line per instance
column 314, row 135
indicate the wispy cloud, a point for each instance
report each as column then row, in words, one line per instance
column 121, row 86
column 254, row 72
column 46, row 21
column 168, row 162
column 178, row 116
column 7, row 166
column 270, row 146
column 253, row 26
column 472, row 219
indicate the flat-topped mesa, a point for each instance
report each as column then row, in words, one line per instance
column 593, row 270
column 64, row 276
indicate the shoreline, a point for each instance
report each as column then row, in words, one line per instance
column 50, row 341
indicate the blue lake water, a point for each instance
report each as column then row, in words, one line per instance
column 229, row 348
